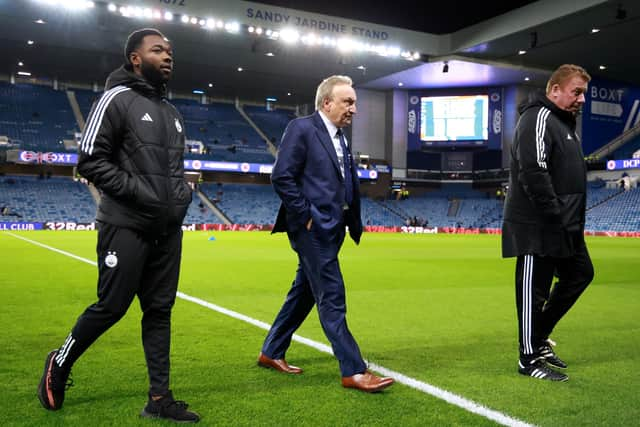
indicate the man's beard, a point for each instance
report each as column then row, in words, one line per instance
column 152, row 74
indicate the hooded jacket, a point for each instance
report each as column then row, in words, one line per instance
column 132, row 150
column 544, row 212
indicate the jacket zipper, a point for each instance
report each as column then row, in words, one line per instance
column 170, row 204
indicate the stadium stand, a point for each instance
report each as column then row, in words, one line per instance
column 619, row 213
column 33, row 199
column 198, row 213
column 38, row 118
column 53, row 199
column 491, row 218
column 58, row 199
column 597, row 194
column 376, row 213
column 35, row 118
column 481, row 213
column 85, row 99
column 244, row 203
column 218, row 126
column 258, row 204
column 454, row 206
column 474, row 212
column 425, row 208
column 272, row 123
column 223, row 131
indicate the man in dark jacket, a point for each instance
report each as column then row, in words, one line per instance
column 132, row 151
column 544, row 217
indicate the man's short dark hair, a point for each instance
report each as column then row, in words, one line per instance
column 135, row 40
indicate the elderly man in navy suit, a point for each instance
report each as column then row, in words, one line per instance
column 316, row 178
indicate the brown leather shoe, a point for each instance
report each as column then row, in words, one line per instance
column 278, row 364
column 367, row 382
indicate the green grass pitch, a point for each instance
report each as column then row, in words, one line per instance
column 437, row 308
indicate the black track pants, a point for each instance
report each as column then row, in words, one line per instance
column 540, row 308
column 130, row 264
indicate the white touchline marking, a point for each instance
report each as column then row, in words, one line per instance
column 60, row 251
column 427, row 388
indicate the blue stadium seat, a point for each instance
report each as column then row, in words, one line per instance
column 85, row 99
column 244, row 203
column 199, row 213
column 55, row 199
column 619, row 213
column 224, row 132
column 272, row 123
column 62, row 199
column 36, row 118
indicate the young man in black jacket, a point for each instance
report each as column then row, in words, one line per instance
column 544, row 217
column 132, row 151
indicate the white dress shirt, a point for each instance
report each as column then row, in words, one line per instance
column 333, row 133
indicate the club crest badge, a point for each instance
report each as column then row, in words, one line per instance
column 178, row 126
column 111, row 260
column 497, row 121
column 412, row 121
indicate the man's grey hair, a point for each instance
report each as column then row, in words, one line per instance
column 326, row 88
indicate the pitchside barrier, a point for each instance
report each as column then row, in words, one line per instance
column 78, row 226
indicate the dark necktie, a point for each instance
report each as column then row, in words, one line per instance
column 348, row 178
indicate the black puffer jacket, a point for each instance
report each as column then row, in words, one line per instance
column 132, row 150
column 544, row 210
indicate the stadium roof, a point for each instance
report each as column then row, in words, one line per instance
column 480, row 43
column 436, row 17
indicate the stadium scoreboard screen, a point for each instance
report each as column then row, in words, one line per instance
column 442, row 120
column 454, row 119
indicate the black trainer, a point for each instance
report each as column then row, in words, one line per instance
column 537, row 368
column 550, row 356
column 169, row 409
column 54, row 382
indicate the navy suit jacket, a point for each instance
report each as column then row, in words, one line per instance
column 308, row 180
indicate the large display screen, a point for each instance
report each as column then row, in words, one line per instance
column 452, row 120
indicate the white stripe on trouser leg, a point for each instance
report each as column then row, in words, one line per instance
column 529, row 304
column 66, row 353
column 61, row 350
column 527, row 283
column 523, row 316
column 62, row 355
